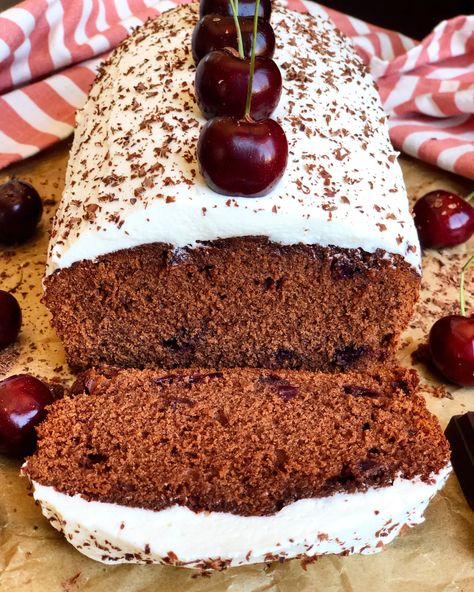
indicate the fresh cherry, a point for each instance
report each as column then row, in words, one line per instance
column 246, row 8
column 10, row 318
column 451, row 343
column 443, row 219
column 214, row 31
column 242, row 157
column 222, row 79
column 22, row 402
column 20, row 211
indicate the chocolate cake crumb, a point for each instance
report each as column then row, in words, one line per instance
column 151, row 439
column 439, row 392
column 235, row 302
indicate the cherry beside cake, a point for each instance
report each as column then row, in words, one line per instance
column 217, row 468
column 148, row 265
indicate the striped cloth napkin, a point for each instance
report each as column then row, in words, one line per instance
column 50, row 50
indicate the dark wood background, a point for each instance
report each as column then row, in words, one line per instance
column 415, row 18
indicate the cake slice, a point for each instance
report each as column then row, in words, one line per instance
column 210, row 469
column 148, row 266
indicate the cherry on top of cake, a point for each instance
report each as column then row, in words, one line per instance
column 241, row 152
column 222, row 80
column 216, row 32
column 133, row 179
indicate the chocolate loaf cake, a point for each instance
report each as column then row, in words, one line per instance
column 148, row 266
column 209, row 469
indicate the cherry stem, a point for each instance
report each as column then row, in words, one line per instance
column 248, row 103
column 469, row 197
column 234, row 4
column 468, row 263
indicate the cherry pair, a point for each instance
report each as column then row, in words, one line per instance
column 444, row 219
column 20, row 212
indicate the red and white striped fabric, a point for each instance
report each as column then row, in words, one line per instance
column 50, row 49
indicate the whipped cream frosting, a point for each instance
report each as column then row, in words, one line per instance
column 342, row 523
column 133, row 178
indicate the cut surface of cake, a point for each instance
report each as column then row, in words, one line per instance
column 148, row 266
column 217, row 468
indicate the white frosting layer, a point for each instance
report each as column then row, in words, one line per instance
column 342, row 523
column 132, row 176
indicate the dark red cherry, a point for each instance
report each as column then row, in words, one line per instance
column 10, row 318
column 246, row 8
column 20, row 211
column 221, row 85
column 22, row 402
column 451, row 342
column 443, row 219
column 214, row 31
column 242, row 157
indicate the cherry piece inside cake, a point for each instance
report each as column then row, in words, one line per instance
column 149, row 266
column 217, row 468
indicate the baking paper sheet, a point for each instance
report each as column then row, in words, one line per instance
column 436, row 556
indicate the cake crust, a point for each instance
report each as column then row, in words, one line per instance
column 243, row 441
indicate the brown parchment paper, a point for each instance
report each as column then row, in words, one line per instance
column 435, row 556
